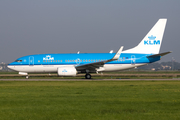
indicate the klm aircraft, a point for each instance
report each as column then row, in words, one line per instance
column 147, row 51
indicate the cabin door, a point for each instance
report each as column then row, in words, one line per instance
column 133, row 60
column 31, row 61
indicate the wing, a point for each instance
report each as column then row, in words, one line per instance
column 92, row 67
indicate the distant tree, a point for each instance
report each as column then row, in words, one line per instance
column 162, row 66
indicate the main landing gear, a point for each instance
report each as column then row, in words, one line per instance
column 88, row 76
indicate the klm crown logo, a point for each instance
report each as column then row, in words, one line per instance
column 152, row 41
column 152, row 37
column 64, row 71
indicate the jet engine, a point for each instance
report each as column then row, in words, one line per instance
column 67, row 71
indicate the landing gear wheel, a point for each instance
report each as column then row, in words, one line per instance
column 27, row 77
column 88, row 76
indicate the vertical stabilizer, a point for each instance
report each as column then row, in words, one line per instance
column 152, row 41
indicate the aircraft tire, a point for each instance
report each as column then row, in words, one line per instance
column 88, row 76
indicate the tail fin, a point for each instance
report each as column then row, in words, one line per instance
column 152, row 41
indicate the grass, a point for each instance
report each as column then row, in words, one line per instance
column 4, row 72
column 89, row 100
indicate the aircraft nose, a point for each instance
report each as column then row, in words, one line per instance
column 9, row 66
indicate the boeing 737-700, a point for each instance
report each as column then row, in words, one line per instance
column 147, row 51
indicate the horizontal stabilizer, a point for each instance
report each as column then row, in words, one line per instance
column 161, row 54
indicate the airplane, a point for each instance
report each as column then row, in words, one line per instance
column 147, row 51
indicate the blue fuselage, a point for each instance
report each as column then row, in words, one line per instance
column 82, row 58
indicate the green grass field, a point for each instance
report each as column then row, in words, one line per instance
column 89, row 100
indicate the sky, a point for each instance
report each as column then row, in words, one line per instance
column 90, row 26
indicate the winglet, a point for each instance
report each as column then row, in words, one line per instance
column 118, row 53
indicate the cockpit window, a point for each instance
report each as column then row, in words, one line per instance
column 18, row 60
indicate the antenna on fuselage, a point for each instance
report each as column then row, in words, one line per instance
column 111, row 51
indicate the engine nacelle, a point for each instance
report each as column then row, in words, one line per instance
column 23, row 73
column 67, row 71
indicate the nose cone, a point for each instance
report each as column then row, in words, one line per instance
column 10, row 66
